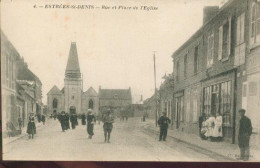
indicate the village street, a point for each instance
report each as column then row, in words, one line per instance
column 128, row 142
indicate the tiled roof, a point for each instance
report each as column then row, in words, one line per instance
column 123, row 94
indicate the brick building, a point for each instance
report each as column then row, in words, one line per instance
column 214, row 65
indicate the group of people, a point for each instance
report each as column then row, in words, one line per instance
column 107, row 118
column 211, row 128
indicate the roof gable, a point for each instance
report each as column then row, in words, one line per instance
column 91, row 92
column 54, row 90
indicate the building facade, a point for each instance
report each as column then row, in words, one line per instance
column 116, row 99
column 214, row 69
column 21, row 89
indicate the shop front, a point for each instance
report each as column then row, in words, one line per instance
column 218, row 97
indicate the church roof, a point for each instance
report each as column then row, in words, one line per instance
column 122, row 94
column 73, row 61
column 91, row 92
column 54, row 90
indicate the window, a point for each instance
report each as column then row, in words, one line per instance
column 225, row 105
column 217, row 99
column 210, row 52
column 225, row 42
column 178, row 71
column 54, row 103
column 224, row 45
column 185, row 65
column 252, row 88
column 196, row 61
column 90, row 104
column 244, row 94
column 240, row 29
column 255, row 23
column 72, row 97
column 207, row 100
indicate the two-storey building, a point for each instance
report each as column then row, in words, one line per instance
column 211, row 68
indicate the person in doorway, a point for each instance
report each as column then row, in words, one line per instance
column 108, row 120
column 20, row 122
column 217, row 131
column 43, row 119
column 83, row 119
column 31, row 128
column 163, row 122
column 202, row 129
column 91, row 119
column 245, row 131
column 73, row 120
column 210, row 122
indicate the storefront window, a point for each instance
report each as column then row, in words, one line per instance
column 217, row 99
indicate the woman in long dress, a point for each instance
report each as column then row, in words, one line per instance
column 217, row 131
column 31, row 128
column 211, row 124
column 91, row 119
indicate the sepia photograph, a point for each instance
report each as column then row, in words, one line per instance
column 131, row 80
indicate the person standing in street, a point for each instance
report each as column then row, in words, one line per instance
column 31, row 128
column 202, row 119
column 91, row 119
column 83, row 119
column 245, row 131
column 163, row 122
column 62, row 119
column 43, row 119
column 108, row 120
column 67, row 121
column 73, row 120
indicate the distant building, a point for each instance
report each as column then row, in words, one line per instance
column 116, row 99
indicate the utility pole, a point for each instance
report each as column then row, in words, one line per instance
column 155, row 90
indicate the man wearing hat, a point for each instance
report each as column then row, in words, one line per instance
column 245, row 131
column 163, row 122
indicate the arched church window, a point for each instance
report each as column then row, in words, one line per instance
column 90, row 104
column 55, row 103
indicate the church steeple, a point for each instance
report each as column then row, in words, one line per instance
column 73, row 69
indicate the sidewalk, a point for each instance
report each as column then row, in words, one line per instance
column 8, row 140
column 222, row 148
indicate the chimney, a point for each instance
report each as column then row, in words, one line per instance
column 209, row 12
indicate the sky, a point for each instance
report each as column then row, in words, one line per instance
column 115, row 47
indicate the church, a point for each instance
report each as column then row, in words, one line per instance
column 71, row 98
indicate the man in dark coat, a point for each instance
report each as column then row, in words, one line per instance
column 43, row 119
column 108, row 120
column 62, row 119
column 83, row 119
column 163, row 122
column 91, row 119
column 202, row 118
column 73, row 120
column 245, row 131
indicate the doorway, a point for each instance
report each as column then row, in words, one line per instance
column 72, row 109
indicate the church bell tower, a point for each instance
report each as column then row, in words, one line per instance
column 73, row 82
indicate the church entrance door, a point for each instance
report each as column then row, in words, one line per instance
column 72, row 109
